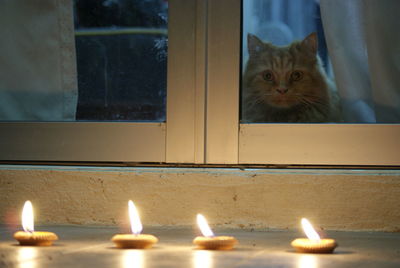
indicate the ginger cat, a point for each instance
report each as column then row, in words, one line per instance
column 287, row 84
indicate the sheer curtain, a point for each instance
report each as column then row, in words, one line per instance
column 37, row 61
column 363, row 40
column 278, row 21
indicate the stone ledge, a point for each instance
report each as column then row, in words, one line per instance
column 334, row 199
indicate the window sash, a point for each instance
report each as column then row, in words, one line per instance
column 282, row 144
column 123, row 141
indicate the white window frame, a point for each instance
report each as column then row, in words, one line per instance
column 186, row 98
column 277, row 144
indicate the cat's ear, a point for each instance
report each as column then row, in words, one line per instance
column 254, row 44
column 311, row 42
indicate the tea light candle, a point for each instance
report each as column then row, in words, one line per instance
column 29, row 237
column 134, row 240
column 209, row 240
column 313, row 244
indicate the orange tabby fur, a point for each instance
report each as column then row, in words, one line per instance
column 287, row 84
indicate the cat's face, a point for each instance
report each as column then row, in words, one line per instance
column 282, row 77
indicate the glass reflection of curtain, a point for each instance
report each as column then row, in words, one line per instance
column 364, row 45
column 37, row 61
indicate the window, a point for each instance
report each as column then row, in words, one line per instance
column 46, row 89
column 280, row 143
column 200, row 119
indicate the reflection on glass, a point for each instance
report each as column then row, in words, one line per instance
column 133, row 259
column 307, row 261
column 202, row 259
column 26, row 257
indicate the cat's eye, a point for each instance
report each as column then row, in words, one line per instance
column 268, row 76
column 296, row 76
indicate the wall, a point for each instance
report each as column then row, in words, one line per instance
column 332, row 199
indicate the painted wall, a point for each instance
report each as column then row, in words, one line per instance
column 332, row 199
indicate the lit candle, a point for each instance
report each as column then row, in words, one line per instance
column 29, row 236
column 209, row 240
column 134, row 240
column 313, row 244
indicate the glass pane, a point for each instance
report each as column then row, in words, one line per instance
column 83, row 60
column 288, row 76
column 121, row 51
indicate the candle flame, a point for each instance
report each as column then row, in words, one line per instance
column 136, row 225
column 203, row 225
column 27, row 217
column 309, row 230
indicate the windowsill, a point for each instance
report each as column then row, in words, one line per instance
column 251, row 198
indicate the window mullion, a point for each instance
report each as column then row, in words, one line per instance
column 223, row 59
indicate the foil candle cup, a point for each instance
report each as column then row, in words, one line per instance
column 313, row 243
column 29, row 237
column 134, row 240
column 209, row 240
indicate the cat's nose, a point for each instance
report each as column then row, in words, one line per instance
column 282, row 90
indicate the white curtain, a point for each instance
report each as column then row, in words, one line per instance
column 37, row 61
column 277, row 21
column 363, row 38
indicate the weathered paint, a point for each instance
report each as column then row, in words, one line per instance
column 333, row 199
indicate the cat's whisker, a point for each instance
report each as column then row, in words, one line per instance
column 257, row 100
column 320, row 107
column 317, row 97
column 313, row 102
column 314, row 99
column 311, row 99
column 316, row 105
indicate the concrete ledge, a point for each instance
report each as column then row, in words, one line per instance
column 333, row 199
